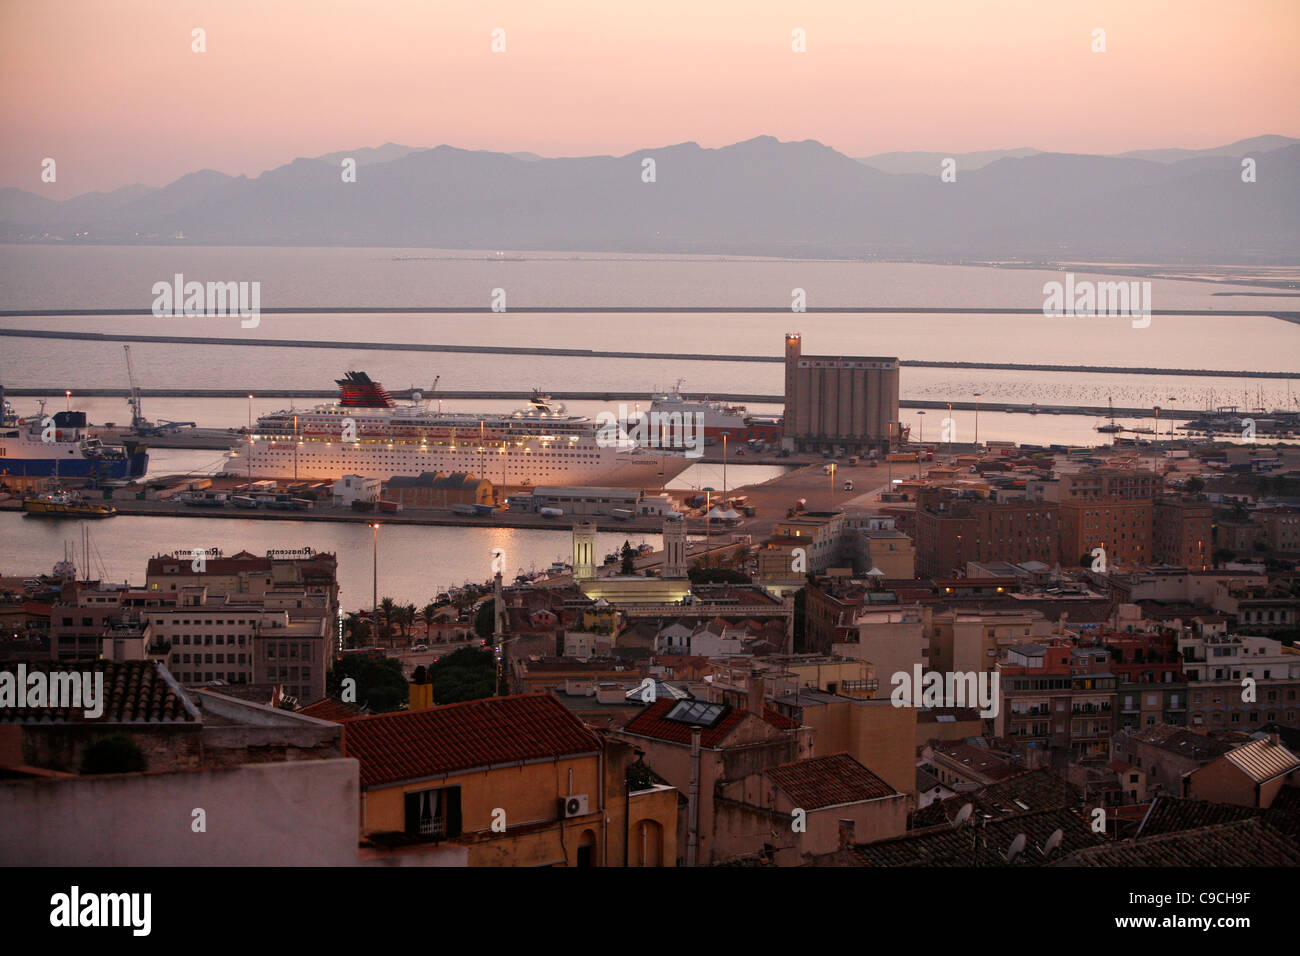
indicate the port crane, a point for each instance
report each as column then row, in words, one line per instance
column 139, row 424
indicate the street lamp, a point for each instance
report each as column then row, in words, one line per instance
column 250, row 414
column 374, row 613
column 921, row 415
column 977, row 418
column 1155, row 445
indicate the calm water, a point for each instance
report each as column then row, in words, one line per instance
column 417, row 562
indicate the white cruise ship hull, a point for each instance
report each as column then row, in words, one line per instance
column 530, row 465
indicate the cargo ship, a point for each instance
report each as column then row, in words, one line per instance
column 58, row 446
column 64, row 504
column 368, row 433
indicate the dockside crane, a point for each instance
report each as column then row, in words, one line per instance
column 139, row 424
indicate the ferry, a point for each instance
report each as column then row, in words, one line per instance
column 719, row 418
column 368, row 433
column 58, row 446
column 64, row 504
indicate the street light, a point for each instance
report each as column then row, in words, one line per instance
column 374, row 613
column 977, row 418
column 921, row 415
column 250, row 414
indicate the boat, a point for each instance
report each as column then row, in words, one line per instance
column 719, row 419
column 1111, row 427
column 368, row 433
column 58, row 446
column 65, row 504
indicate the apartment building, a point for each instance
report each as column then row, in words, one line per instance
column 1239, row 682
column 954, row 530
column 1058, row 696
column 1181, row 532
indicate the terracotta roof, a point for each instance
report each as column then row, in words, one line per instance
column 828, row 781
column 651, row 722
column 414, row 745
column 981, row 760
column 984, row 846
column 1177, row 740
column 1031, row 790
column 135, row 692
column 331, row 708
column 1256, row 842
column 1173, row 814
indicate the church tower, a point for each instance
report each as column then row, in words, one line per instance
column 675, row 548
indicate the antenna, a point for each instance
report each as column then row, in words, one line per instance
column 1053, row 842
column 963, row 814
column 1017, row 847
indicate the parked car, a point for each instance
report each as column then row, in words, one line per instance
column 420, row 647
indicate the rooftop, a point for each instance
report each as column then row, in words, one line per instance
column 828, row 781
column 495, row 731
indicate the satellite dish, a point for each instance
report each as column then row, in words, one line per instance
column 1017, row 847
column 417, row 396
column 964, row 814
column 1053, row 842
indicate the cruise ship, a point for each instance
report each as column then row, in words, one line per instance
column 719, row 418
column 58, row 446
column 368, row 433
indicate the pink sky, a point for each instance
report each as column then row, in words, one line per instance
column 112, row 91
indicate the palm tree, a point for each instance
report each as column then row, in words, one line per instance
column 408, row 620
column 387, row 607
column 429, row 612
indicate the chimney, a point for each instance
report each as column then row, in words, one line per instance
column 754, row 686
column 847, row 836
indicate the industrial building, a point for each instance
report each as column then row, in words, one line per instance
column 842, row 404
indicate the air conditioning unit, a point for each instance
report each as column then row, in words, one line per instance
column 574, row 805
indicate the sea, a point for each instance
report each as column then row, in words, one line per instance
column 417, row 562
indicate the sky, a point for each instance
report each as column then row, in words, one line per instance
column 113, row 91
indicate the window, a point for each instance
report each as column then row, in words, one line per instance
column 433, row 813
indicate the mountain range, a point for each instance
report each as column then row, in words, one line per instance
column 757, row 197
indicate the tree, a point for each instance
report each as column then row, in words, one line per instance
column 387, row 607
column 115, row 754
column 356, row 631
column 628, row 556
column 1194, row 485
column 380, row 684
column 408, row 620
column 485, row 620
column 430, row 613
column 466, row 674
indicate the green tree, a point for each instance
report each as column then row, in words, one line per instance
column 628, row 556
column 430, row 614
column 1194, row 485
column 115, row 754
column 485, row 619
column 465, row 674
column 387, row 608
column 380, row 684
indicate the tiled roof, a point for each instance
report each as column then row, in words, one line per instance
column 977, row 759
column 331, row 708
column 1255, row 842
column 135, row 692
column 414, row 745
column 652, row 723
column 1031, row 790
column 827, row 781
column 1180, row 741
column 1262, row 760
column 985, row 845
column 1173, row 814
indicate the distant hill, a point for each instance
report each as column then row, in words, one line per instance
column 758, row 197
